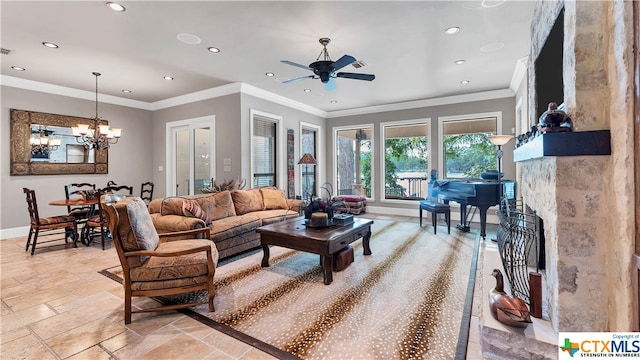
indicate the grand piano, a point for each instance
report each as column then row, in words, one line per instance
column 473, row 192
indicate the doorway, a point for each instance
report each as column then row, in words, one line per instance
column 190, row 155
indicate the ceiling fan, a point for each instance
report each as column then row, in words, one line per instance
column 326, row 70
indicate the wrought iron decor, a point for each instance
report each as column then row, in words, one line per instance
column 517, row 236
column 20, row 150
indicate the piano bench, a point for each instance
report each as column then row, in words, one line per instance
column 436, row 208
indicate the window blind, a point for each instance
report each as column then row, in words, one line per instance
column 264, row 152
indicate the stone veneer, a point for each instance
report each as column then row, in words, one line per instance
column 587, row 202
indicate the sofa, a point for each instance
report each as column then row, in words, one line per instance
column 232, row 216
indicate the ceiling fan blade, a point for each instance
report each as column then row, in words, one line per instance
column 298, row 79
column 367, row 77
column 295, row 64
column 330, row 85
column 342, row 62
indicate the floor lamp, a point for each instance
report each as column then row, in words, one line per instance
column 307, row 159
column 499, row 140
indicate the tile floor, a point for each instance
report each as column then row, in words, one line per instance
column 55, row 305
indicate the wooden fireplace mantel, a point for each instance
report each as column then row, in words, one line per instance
column 576, row 143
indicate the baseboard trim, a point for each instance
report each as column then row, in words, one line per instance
column 14, row 232
column 455, row 213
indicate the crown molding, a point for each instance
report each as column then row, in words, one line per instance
column 519, row 73
column 278, row 99
column 211, row 93
column 455, row 99
column 247, row 89
column 25, row 84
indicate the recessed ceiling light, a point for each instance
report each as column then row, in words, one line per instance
column 189, row 39
column 460, row 62
column 464, row 82
column 452, row 30
column 168, row 77
column 270, row 74
column 50, row 45
column 492, row 47
column 116, row 7
column 334, row 101
column 307, row 90
column 213, row 49
column 126, row 91
column 18, row 68
column 492, row 3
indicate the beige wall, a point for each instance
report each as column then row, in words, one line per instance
column 227, row 116
column 142, row 149
column 290, row 120
column 505, row 105
column 131, row 152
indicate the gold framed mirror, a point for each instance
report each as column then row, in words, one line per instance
column 43, row 144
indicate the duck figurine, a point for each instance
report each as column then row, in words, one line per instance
column 505, row 308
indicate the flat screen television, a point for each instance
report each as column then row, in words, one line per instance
column 548, row 68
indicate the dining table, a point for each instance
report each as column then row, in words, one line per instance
column 79, row 201
column 74, row 202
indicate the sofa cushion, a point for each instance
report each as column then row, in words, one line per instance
column 190, row 208
column 172, row 206
column 273, row 198
column 276, row 215
column 159, row 268
column 155, row 205
column 217, row 206
column 246, row 201
column 233, row 226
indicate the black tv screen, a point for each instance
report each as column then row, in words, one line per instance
column 548, row 68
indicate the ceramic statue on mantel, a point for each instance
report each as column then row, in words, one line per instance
column 554, row 119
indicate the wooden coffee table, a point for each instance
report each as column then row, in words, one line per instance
column 293, row 234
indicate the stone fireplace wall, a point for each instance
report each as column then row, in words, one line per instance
column 586, row 202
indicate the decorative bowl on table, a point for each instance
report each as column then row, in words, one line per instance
column 318, row 219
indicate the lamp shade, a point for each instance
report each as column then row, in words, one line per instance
column 499, row 140
column 307, row 159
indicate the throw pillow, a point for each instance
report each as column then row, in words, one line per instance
column 273, row 199
column 191, row 208
column 218, row 205
column 246, row 201
column 145, row 236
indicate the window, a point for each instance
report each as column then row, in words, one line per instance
column 354, row 159
column 406, row 159
column 308, row 145
column 466, row 149
column 264, row 143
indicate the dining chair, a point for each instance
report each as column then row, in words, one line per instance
column 146, row 192
column 159, row 264
column 118, row 189
column 48, row 224
column 98, row 222
column 80, row 213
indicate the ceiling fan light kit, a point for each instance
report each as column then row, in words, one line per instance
column 326, row 69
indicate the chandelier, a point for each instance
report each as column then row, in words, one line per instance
column 42, row 145
column 101, row 136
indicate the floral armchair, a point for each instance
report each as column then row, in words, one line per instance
column 156, row 265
